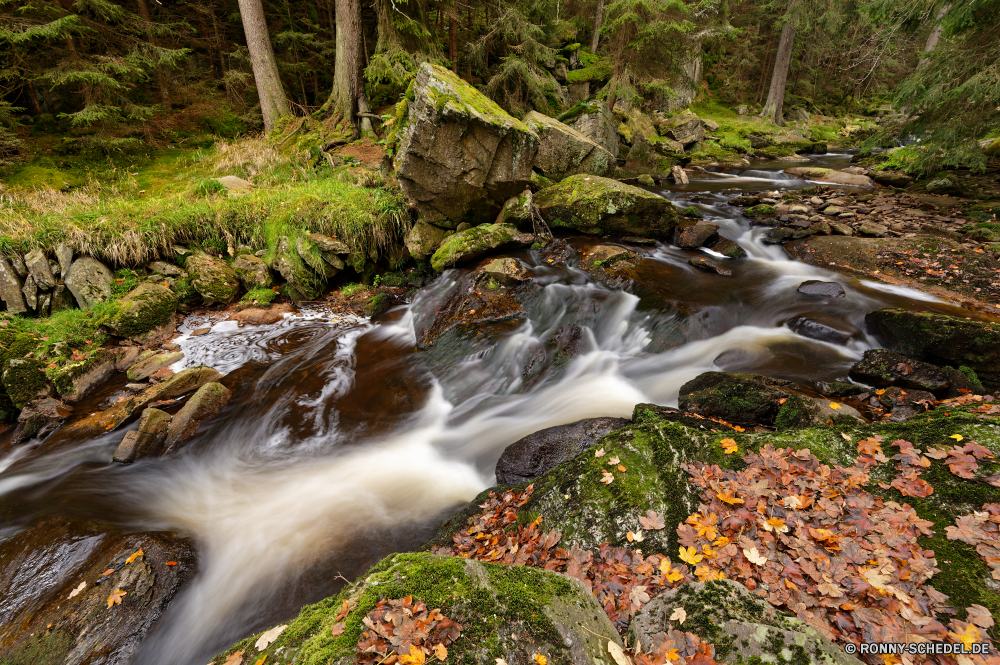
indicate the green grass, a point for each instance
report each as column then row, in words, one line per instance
column 261, row 297
column 352, row 289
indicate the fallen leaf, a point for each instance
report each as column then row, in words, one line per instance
column 652, row 521
column 501, row 661
column 540, row 659
column 266, row 639
column 967, row 636
column 235, row 658
column 679, row 615
column 690, row 555
column 260, row 661
column 979, row 615
column 440, row 652
column 614, row 460
column 78, row 589
column 754, row 557
column 957, row 437
column 607, row 478
column 116, row 597
column 171, row 563
column 345, row 609
column 728, row 497
column 337, row 629
column 132, row 557
column 622, row 468
column 599, row 452
column 107, row 572
column 416, row 657
column 636, row 537
column 834, row 405
column 618, row 655
column 638, row 596
column 729, row 446
column 845, row 436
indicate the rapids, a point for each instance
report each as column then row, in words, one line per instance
column 343, row 444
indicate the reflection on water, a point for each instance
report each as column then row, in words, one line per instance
column 341, row 444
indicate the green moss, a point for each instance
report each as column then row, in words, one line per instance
column 471, row 243
column 208, row 187
column 379, row 303
column 793, row 413
column 692, row 211
column 758, row 211
column 352, row 289
column 145, row 308
column 973, row 378
column 24, row 379
column 259, row 297
column 41, row 177
column 48, row 648
column 576, row 111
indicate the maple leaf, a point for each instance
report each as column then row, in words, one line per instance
column 690, row 555
column 607, row 478
column 613, row 460
column 116, row 597
column 912, row 485
column 76, row 591
column 671, row 574
column 678, row 615
column 345, row 609
column 338, row 628
column 979, row 615
column 415, row 657
column 936, row 453
column 599, row 452
column 441, row 652
column 235, row 658
column 775, row 524
column 829, row 589
column 754, row 556
column 729, row 446
column 728, row 497
column 132, row 557
column 540, row 659
column 652, row 521
column 967, row 635
column 266, row 639
column 792, row 501
column 638, row 595
column 869, row 447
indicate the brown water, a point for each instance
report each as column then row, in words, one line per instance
column 344, row 443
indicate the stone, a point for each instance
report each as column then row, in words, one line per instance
column 564, row 151
column 904, row 404
column 147, row 439
column 328, row 244
column 44, row 303
column 213, row 278
column 206, row 402
column 891, row 178
column 820, row 289
column 839, row 229
column 508, row 271
column 742, row 110
column 39, row 268
column 423, row 238
column 234, row 184
column 25, row 381
column 646, row 180
column 597, row 206
column 475, row 242
column 302, row 284
column 680, row 177
column 142, row 311
column 685, row 128
column 728, row 248
column 90, row 281
column 62, row 299
column 598, row 123
column 709, row 265
column 30, row 291
column 947, row 186
column 77, row 379
column 644, row 158
column 741, row 622
column 17, row 262
column 150, row 361
column 40, row 417
column 881, row 368
column 252, row 272
column 804, row 411
column 696, row 235
column 164, row 268
column 818, row 331
column 710, row 125
column 64, row 255
column 744, row 399
column 531, row 456
column 461, row 155
column 312, row 255
column 872, row 230
column 10, row 288
column 257, row 316
column 831, row 176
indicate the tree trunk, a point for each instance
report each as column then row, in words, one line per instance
column 469, row 38
column 779, row 77
column 453, row 37
column 598, row 21
column 273, row 103
column 348, row 96
column 161, row 79
column 935, row 36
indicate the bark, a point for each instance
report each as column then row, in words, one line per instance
column 935, row 36
column 161, row 79
column 273, row 103
column 348, row 96
column 598, row 21
column 453, row 37
column 779, row 76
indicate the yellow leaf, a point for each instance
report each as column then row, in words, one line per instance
column 880, row 391
column 834, row 405
column 729, row 445
column 728, row 498
column 957, row 437
column 134, row 556
column 440, row 652
column 416, row 657
column 618, row 655
column 775, row 524
column 260, row 661
column 720, row 542
column 116, row 597
column 673, row 655
column 738, row 428
column 690, row 555
column 968, row 636
column 540, row 659
column 614, row 460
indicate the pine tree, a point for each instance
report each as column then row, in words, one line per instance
column 273, row 103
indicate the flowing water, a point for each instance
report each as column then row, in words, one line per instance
column 344, row 443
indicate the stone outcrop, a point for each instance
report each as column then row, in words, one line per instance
column 564, row 151
column 90, row 281
column 252, row 271
column 424, row 238
column 598, row 123
column 10, row 288
column 475, row 242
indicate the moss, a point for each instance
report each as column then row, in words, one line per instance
column 758, row 211
column 145, row 308
column 48, row 648
column 24, row 379
column 208, row 187
column 576, row 111
column 259, row 297
column 793, row 413
column 63, row 376
column 379, row 303
column 42, row 177
column 692, row 211
column 393, row 279
column 973, row 378
column 471, row 243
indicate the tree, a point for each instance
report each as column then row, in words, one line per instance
column 273, row 103
column 348, row 97
column 598, row 21
column 782, row 62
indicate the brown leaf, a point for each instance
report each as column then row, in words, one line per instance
column 235, row 658
column 652, row 521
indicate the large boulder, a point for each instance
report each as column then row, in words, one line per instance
column 942, row 340
column 831, row 176
column 530, row 457
column 144, row 309
column 89, row 281
column 39, row 418
column 213, row 278
column 38, row 265
column 595, row 205
column 881, row 368
column 252, row 271
column 302, row 283
column 564, row 151
column 743, row 399
column 596, row 122
column 205, row 403
column 24, row 380
column 424, row 238
column 461, row 155
column 10, row 288
column 475, row 242
column 685, row 128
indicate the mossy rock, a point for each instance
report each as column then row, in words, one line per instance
column 744, row 399
column 73, row 380
column 213, row 278
column 595, row 206
column 24, row 380
column 509, row 612
column 144, row 309
column 758, row 211
column 14, row 344
column 302, row 284
column 475, row 242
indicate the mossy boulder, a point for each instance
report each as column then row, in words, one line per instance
column 759, row 211
column 24, row 380
column 424, row 238
column 475, row 242
column 506, row 612
column 76, row 379
column 646, row 158
column 744, row 399
column 881, row 368
column 831, row 176
column 301, row 283
column 89, row 281
column 595, row 205
column 206, row 402
column 461, row 155
column 212, row 277
column 564, row 151
column 597, row 122
column 252, row 271
column 143, row 309
column 150, row 361
column 941, row 340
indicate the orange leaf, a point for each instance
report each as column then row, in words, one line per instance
column 171, row 563
column 728, row 497
column 540, row 659
column 116, row 597
column 107, row 572
column 134, row 556
column 729, row 446
column 440, row 652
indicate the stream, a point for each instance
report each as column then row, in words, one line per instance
column 343, row 443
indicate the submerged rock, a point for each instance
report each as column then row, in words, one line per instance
column 461, row 155
column 819, row 289
column 150, row 361
column 819, row 331
column 475, row 242
column 533, row 455
column 710, row 266
column 564, row 151
column 90, row 281
column 696, row 235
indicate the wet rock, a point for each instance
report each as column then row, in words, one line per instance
column 62, row 299
column 744, row 399
column 598, row 206
column 40, row 417
column 696, row 235
column 25, row 381
column 475, row 242
column 727, row 248
column 740, row 621
column 38, row 266
column 506, row 271
column 10, row 288
column 206, row 402
column 125, row 357
column 213, row 278
column 252, row 272
column 779, row 236
column 946, row 186
column 882, row 368
column 709, row 265
column 760, row 211
column 818, row 331
column 680, row 177
column 685, row 128
column 142, row 312
column 831, row 176
column 90, row 281
column 803, row 411
column 461, row 155
column 42, row 565
column 77, row 379
column 606, row 256
column 820, row 289
column 838, row 389
column 839, row 229
column 150, row 361
column 598, row 123
column 745, row 200
column 424, row 238
column 147, row 439
column 258, row 316
column 564, row 151
column 904, row 404
column 302, row 283
column 891, row 178
column 533, row 455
